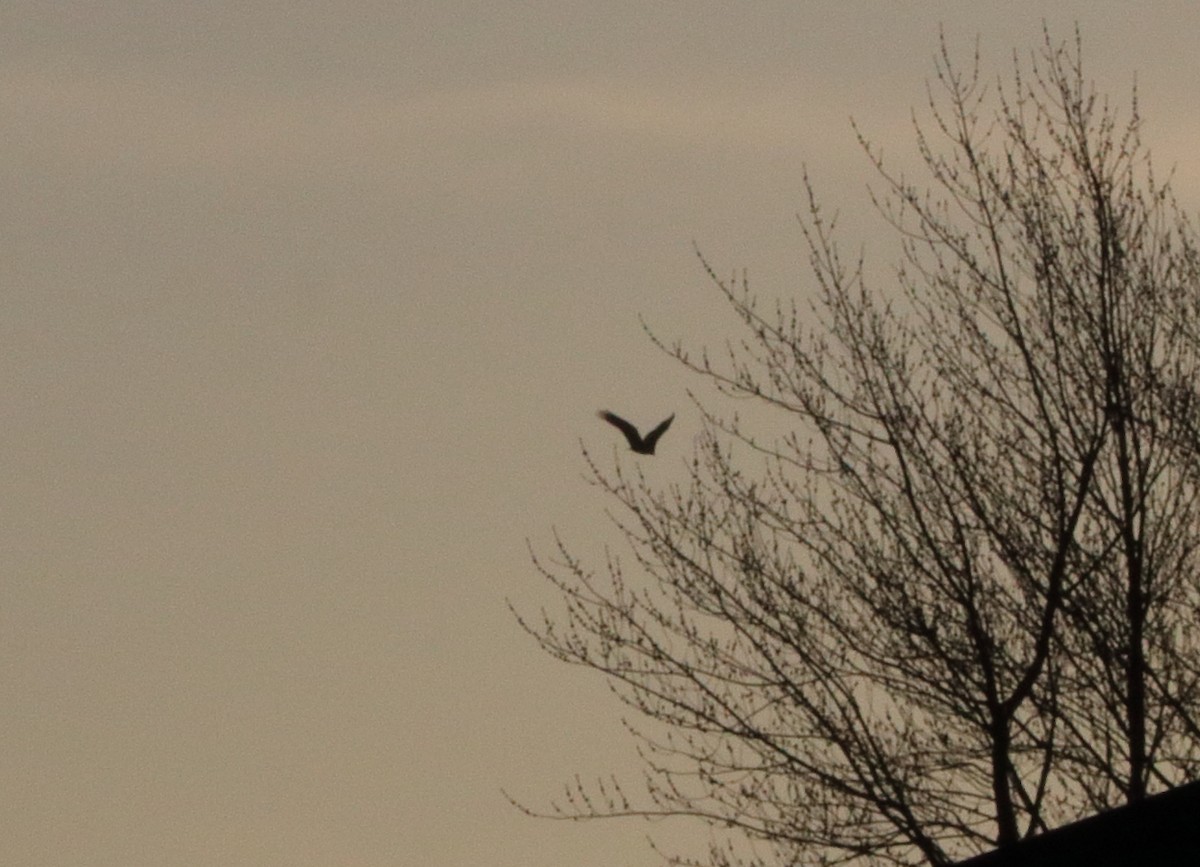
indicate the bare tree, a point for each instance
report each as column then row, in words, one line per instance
column 955, row 605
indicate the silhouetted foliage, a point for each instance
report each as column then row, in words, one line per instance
column 957, row 605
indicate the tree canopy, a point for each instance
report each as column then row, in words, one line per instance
column 956, row 604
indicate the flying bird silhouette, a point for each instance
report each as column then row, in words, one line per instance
column 641, row 445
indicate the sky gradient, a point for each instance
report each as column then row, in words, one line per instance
column 307, row 310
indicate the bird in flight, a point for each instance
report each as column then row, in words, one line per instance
column 641, row 445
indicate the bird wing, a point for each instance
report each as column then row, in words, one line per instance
column 652, row 437
column 631, row 433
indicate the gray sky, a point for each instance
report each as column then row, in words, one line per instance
column 306, row 310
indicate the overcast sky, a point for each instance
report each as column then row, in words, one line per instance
column 306, row 310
